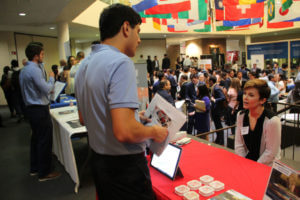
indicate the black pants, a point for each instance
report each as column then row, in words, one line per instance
column 191, row 124
column 217, row 121
column 122, row 177
column 41, row 139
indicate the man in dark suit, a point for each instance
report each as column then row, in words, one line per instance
column 171, row 78
column 217, row 99
column 150, row 67
column 191, row 96
column 164, row 91
column 156, row 63
column 165, row 62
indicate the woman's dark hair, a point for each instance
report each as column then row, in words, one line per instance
column 69, row 65
column 203, row 91
column 14, row 63
column 113, row 17
column 6, row 69
column 55, row 69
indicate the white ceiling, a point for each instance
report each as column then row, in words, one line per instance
column 43, row 14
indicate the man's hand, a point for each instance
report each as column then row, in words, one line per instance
column 161, row 133
column 143, row 118
column 51, row 74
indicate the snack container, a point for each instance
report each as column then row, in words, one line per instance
column 217, row 185
column 191, row 195
column 194, row 184
column 206, row 179
column 206, row 191
column 181, row 190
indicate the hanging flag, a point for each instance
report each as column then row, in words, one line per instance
column 237, row 12
column 219, row 9
column 241, row 2
column 220, row 26
column 169, row 6
column 271, row 9
column 291, row 14
column 161, row 16
column 198, row 11
column 242, row 22
column 280, row 24
column 286, row 4
column 141, row 5
column 156, row 23
column 207, row 27
column 164, row 21
column 143, row 20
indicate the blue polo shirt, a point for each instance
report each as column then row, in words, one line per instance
column 109, row 82
column 34, row 87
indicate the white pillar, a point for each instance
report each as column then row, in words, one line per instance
column 63, row 40
column 247, row 41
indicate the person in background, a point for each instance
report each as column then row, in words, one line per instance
column 277, row 69
column 281, row 84
column 241, row 79
column 258, row 134
column 233, row 92
column 187, row 62
column 182, row 84
column 116, row 136
column 24, row 62
column 35, row 91
column 62, row 65
column 244, row 71
column 274, row 96
column 202, row 118
column 6, row 87
column 56, row 73
column 161, row 76
column 166, row 62
column 173, row 82
column 150, row 66
column 298, row 75
column 217, row 107
column 294, row 97
column 164, row 91
column 66, row 73
column 156, row 63
column 79, row 58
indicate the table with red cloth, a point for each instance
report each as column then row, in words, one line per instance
column 197, row 159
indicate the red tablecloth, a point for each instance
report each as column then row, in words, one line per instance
column 245, row 176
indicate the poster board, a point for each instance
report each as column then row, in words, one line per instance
column 259, row 60
column 205, row 63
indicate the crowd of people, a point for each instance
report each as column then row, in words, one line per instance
column 104, row 84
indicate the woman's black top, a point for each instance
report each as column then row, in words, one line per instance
column 253, row 138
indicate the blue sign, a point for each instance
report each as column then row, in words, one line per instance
column 271, row 50
column 295, row 49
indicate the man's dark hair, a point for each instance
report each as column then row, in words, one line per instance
column 184, row 77
column 194, row 76
column 162, row 84
column 80, row 55
column 32, row 49
column 213, row 79
column 14, row 63
column 160, row 75
column 113, row 17
column 270, row 77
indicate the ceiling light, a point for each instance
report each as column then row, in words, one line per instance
column 52, row 28
column 22, row 14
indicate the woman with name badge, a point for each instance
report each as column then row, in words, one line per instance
column 258, row 133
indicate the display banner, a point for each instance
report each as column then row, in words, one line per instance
column 270, row 51
column 295, row 49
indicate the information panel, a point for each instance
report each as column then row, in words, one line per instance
column 295, row 49
column 271, row 50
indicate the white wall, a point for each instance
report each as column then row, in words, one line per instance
column 85, row 47
column 151, row 48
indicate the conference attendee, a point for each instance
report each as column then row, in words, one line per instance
column 274, row 95
column 150, row 66
column 191, row 96
column 65, row 77
column 6, row 87
column 217, row 107
column 56, row 73
column 244, row 71
column 171, row 78
column 166, row 62
column 62, row 65
column 161, row 76
column 258, row 133
column 17, row 100
column 183, row 84
column 164, row 91
column 156, row 63
column 277, row 69
column 186, row 71
column 255, row 69
column 187, row 62
column 202, row 118
column 79, row 58
column 294, row 97
column 110, row 113
column 24, row 62
column 35, row 91
column 241, row 79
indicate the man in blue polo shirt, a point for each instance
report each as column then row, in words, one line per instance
column 109, row 104
column 35, row 92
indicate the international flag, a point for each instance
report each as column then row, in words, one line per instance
column 237, row 12
column 242, row 22
column 280, row 24
column 219, row 9
column 141, row 5
column 207, row 27
column 241, row 2
column 161, row 16
column 143, row 20
column 291, row 14
column 220, row 26
column 271, row 9
column 156, row 23
column 198, row 11
column 286, row 4
column 169, row 6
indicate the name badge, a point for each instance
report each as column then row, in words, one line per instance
column 245, row 130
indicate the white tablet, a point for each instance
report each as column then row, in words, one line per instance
column 167, row 162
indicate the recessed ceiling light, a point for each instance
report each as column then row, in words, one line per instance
column 22, row 14
column 52, row 28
